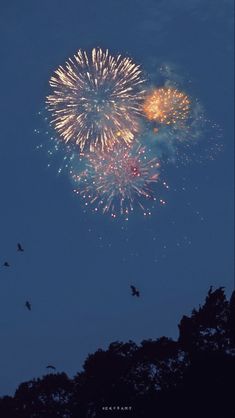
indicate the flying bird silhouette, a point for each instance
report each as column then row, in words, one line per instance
column 51, row 367
column 19, row 247
column 6, row 264
column 135, row 292
column 28, row 305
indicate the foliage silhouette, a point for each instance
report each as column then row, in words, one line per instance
column 191, row 377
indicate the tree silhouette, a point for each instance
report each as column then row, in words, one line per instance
column 208, row 327
column 191, row 377
column 207, row 338
column 48, row 397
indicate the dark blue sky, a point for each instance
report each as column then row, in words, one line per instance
column 77, row 268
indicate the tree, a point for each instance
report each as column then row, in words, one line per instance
column 190, row 377
column 47, row 397
column 208, row 328
column 207, row 338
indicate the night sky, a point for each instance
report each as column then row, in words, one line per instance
column 77, row 268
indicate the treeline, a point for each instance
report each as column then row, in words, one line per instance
column 189, row 378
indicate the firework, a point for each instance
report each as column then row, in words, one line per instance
column 96, row 100
column 59, row 155
column 167, row 106
column 196, row 140
column 116, row 181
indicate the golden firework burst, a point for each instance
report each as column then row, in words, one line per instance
column 167, row 106
column 94, row 97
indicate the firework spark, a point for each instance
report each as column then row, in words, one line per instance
column 116, row 181
column 167, row 106
column 96, row 100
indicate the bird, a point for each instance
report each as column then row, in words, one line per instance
column 28, row 305
column 135, row 292
column 6, row 264
column 19, row 247
column 51, row 367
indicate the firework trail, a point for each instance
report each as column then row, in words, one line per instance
column 96, row 100
column 115, row 181
column 167, row 106
column 59, row 155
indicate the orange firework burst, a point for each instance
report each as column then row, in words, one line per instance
column 167, row 106
column 96, row 99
